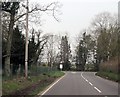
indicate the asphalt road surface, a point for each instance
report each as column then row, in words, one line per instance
column 82, row 83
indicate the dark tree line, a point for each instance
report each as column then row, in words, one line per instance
column 84, row 50
column 65, row 53
column 17, row 50
column 11, row 17
column 12, row 9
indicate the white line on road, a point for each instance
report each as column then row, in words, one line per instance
column 86, row 80
column 73, row 72
column 97, row 89
column 90, row 83
column 82, row 75
column 51, row 86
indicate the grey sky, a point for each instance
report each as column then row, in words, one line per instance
column 76, row 15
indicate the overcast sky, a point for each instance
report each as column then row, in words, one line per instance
column 76, row 15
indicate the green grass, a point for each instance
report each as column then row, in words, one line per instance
column 18, row 84
column 52, row 74
column 55, row 74
column 10, row 86
column 109, row 75
column 40, row 88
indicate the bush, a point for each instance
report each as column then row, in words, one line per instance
column 109, row 75
column 110, row 66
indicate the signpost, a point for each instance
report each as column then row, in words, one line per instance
column 61, row 67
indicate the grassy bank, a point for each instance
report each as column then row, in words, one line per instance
column 31, row 86
column 109, row 75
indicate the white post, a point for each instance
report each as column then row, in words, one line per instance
column 61, row 67
column 26, row 45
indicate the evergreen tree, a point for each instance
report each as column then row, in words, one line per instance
column 17, row 50
column 65, row 53
column 83, row 51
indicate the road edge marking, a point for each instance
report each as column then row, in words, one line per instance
column 49, row 87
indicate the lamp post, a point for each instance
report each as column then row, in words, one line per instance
column 26, row 44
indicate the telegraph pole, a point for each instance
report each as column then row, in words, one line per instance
column 26, row 44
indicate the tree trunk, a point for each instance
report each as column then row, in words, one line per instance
column 8, row 47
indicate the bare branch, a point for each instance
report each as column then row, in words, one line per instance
column 50, row 7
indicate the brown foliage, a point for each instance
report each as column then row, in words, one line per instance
column 112, row 65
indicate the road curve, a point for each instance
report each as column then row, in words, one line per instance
column 82, row 83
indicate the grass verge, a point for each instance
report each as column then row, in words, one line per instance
column 31, row 86
column 109, row 75
column 54, row 74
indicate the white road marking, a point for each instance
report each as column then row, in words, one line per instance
column 82, row 75
column 51, row 86
column 90, row 83
column 97, row 89
column 73, row 72
column 95, row 73
column 86, row 80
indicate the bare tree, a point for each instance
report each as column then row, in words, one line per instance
column 105, row 30
column 36, row 45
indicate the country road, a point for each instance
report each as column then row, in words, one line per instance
column 82, row 83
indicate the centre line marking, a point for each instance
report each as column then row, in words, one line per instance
column 90, row 83
column 86, row 80
column 82, row 76
column 97, row 89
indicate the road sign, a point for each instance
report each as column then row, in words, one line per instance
column 61, row 66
